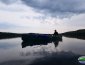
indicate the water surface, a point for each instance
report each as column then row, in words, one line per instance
column 12, row 53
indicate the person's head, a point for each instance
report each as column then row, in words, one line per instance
column 55, row 31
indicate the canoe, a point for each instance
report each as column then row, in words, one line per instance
column 40, row 37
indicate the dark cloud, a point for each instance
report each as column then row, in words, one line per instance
column 59, row 8
column 56, row 8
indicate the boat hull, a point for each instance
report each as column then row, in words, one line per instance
column 41, row 37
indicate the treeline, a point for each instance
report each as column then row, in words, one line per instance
column 75, row 34
column 4, row 35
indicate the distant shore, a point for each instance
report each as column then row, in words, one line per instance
column 73, row 34
column 80, row 34
column 5, row 35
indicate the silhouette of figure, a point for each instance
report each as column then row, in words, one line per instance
column 55, row 33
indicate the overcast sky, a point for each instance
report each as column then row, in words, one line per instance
column 41, row 16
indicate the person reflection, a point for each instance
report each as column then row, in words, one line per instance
column 56, row 43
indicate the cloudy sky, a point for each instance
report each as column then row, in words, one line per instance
column 41, row 16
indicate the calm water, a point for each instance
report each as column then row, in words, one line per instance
column 12, row 53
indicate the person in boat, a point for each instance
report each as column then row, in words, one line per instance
column 55, row 33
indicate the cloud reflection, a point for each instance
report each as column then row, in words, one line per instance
column 57, row 58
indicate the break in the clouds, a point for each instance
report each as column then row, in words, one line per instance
column 8, row 1
column 58, row 8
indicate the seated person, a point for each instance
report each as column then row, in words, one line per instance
column 55, row 33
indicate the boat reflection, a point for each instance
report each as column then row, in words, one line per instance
column 32, row 43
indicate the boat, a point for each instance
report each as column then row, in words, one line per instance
column 40, row 37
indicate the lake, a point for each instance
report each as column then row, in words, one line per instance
column 12, row 53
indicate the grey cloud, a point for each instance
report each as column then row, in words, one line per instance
column 8, row 1
column 57, row 8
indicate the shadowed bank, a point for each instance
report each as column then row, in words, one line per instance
column 79, row 34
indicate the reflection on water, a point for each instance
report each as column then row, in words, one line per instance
column 14, row 52
column 32, row 43
column 60, row 58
